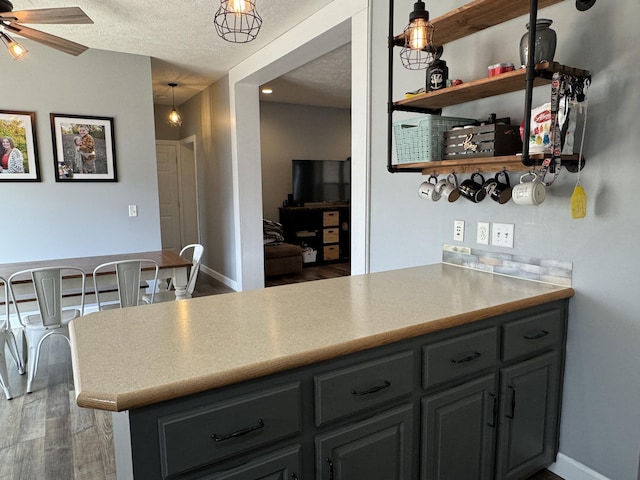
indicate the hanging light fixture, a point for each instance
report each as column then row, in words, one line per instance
column 175, row 120
column 15, row 49
column 237, row 21
column 418, row 51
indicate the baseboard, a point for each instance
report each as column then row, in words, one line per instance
column 569, row 469
column 219, row 277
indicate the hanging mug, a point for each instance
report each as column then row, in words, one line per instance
column 448, row 188
column 429, row 189
column 497, row 190
column 473, row 190
column 529, row 193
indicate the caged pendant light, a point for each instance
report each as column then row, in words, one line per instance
column 175, row 120
column 418, row 51
column 237, row 21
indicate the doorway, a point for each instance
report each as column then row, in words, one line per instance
column 178, row 193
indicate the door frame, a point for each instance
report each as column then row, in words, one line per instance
column 181, row 145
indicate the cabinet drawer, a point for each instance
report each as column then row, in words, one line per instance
column 459, row 357
column 363, row 386
column 208, row 434
column 331, row 252
column 330, row 235
column 330, row 219
column 531, row 334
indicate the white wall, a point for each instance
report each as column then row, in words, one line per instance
column 601, row 407
column 48, row 220
column 302, row 132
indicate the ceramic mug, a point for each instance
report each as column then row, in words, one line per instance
column 448, row 188
column 529, row 193
column 429, row 189
column 473, row 189
column 497, row 190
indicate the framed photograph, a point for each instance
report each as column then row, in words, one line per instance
column 83, row 148
column 18, row 148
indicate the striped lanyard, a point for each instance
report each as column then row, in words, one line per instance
column 554, row 162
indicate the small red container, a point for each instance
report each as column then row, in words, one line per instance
column 499, row 68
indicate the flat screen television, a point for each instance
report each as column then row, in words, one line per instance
column 321, row 181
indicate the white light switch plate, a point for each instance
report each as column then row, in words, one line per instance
column 502, row 235
column 133, row 210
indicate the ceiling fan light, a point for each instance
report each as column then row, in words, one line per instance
column 237, row 21
column 174, row 119
column 16, row 50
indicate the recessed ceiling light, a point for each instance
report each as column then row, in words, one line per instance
column 267, row 91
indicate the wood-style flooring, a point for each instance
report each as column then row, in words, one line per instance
column 46, row 436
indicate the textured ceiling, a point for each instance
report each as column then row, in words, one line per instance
column 184, row 48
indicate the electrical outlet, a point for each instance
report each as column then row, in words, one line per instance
column 482, row 234
column 133, row 210
column 458, row 230
column 502, row 235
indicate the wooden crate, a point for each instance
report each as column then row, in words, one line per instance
column 491, row 140
column 331, row 252
column 330, row 235
column 330, row 218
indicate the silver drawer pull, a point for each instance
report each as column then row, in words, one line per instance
column 540, row 334
column 467, row 358
column 386, row 384
column 239, row 433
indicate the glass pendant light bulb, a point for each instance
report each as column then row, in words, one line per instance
column 418, row 34
column 16, row 50
column 174, row 119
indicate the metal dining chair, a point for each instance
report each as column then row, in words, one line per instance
column 128, row 274
column 7, row 338
column 193, row 251
column 51, row 318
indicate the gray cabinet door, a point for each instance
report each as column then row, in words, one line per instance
column 378, row 448
column 528, row 416
column 458, row 432
column 280, row 465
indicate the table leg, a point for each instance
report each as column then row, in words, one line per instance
column 180, row 282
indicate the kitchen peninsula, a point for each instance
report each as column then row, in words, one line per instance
column 367, row 376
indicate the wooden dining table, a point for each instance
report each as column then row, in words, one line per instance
column 171, row 266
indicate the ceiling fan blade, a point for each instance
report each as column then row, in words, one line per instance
column 66, row 46
column 62, row 15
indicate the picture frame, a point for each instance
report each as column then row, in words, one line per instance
column 83, row 148
column 18, row 142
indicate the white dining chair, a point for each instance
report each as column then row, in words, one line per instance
column 7, row 338
column 128, row 275
column 51, row 318
column 193, row 251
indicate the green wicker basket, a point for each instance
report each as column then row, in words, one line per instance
column 421, row 139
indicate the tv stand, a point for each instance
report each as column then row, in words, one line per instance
column 324, row 228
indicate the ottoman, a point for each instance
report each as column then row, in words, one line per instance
column 282, row 259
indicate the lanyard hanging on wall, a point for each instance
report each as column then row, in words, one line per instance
column 554, row 162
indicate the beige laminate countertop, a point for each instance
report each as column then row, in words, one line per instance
column 128, row 358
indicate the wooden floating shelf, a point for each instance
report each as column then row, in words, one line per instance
column 511, row 163
column 476, row 16
column 486, row 87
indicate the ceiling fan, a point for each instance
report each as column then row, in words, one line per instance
column 11, row 22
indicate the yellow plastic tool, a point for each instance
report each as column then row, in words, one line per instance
column 578, row 202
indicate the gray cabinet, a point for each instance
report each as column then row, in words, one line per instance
column 459, row 430
column 378, row 448
column 281, row 465
column 528, row 416
column 477, row 401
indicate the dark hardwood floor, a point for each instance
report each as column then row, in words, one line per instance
column 46, row 436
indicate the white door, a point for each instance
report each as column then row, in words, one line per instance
column 169, row 196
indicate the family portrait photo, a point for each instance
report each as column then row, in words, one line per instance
column 18, row 152
column 83, row 148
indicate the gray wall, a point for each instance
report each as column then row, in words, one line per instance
column 601, row 409
column 164, row 131
column 206, row 115
column 302, row 132
column 55, row 220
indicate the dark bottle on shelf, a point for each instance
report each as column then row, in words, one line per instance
column 437, row 75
